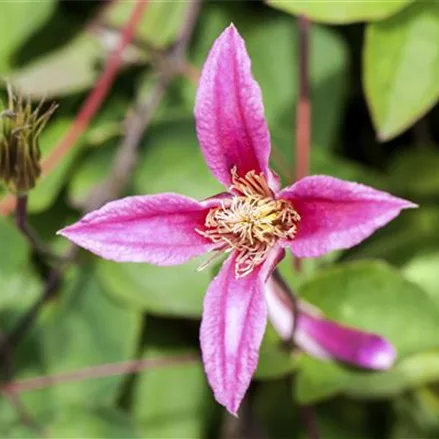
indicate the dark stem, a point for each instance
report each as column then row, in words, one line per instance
column 309, row 419
column 101, row 371
column 24, row 416
column 22, row 224
column 21, row 220
column 51, row 287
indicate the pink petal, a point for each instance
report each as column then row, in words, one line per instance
column 232, row 328
column 159, row 229
column 323, row 338
column 350, row 345
column 229, row 112
column 337, row 214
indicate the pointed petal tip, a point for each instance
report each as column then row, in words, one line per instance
column 65, row 232
column 410, row 205
column 379, row 354
column 329, row 339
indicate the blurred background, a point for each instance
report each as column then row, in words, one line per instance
column 124, row 74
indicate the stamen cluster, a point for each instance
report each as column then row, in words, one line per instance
column 250, row 222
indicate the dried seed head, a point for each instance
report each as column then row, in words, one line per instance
column 20, row 127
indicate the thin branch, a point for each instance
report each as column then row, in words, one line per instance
column 50, row 289
column 25, row 418
column 303, row 110
column 141, row 117
column 22, row 224
column 187, row 28
column 101, row 371
column 125, row 159
column 309, row 419
column 21, row 220
column 93, row 102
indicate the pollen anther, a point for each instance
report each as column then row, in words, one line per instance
column 250, row 222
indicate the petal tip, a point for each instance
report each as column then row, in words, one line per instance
column 383, row 355
column 64, row 232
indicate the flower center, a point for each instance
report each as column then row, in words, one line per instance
column 250, row 222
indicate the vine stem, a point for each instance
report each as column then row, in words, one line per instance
column 101, row 371
column 303, row 110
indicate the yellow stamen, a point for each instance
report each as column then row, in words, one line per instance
column 250, row 222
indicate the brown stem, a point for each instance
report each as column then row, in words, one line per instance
column 24, row 416
column 126, row 156
column 101, row 371
column 309, row 419
column 303, row 110
column 50, row 288
column 23, row 225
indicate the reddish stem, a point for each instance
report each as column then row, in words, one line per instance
column 303, row 109
column 101, row 371
column 92, row 103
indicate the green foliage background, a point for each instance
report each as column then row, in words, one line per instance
column 374, row 72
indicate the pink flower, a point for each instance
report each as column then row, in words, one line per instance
column 323, row 338
column 254, row 221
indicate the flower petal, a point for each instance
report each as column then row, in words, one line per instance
column 159, row 229
column 233, row 324
column 353, row 346
column 229, row 112
column 337, row 214
column 324, row 338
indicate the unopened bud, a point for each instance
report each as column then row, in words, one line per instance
column 20, row 127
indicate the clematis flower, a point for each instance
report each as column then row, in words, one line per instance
column 253, row 222
column 324, row 338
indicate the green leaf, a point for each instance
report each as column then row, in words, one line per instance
column 413, row 232
column 17, row 245
column 414, row 174
column 91, row 172
column 81, row 329
column 360, row 295
column 50, row 185
column 275, row 360
column 340, row 12
column 423, row 270
column 401, row 66
column 172, row 400
column 275, row 409
column 159, row 27
column 93, row 423
column 70, row 69
column 410, row 373
column 318, row 380
column 18, row 21
column 75, row 422
column 20, row 285
column 171, row 291
column 171, row 160
column 84, row 329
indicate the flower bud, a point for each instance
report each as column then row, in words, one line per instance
column 20, row 127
